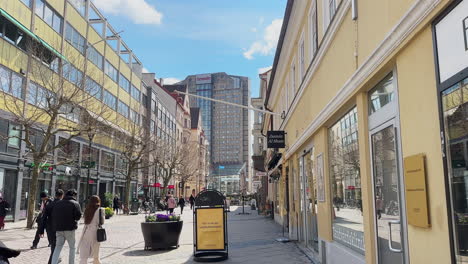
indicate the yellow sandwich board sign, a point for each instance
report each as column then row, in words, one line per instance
column 210, row 229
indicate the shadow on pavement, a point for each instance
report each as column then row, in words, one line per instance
column 146, row 253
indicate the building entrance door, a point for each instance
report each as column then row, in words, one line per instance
column 307, row 204
column 387, row 194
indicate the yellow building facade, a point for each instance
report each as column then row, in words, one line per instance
column 373, row 96
column 75, row 33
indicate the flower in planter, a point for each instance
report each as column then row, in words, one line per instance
column 161, row 218
column 109, row 211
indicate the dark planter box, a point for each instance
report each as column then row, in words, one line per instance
column 161, row 235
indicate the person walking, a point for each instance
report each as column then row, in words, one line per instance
column 40, row 219
column 192, row 201
column 4, row 208
column 88, row 247
column 181, row 203
column 48, row 224
column 378, row 206
column 171, row 204
column 116, row 204
column 65, row 217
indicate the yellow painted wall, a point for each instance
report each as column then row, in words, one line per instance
column 420, row 134
column 76, row 20
column 58, row 5
column 45, row 32
column 112, row 56
column 18, row 10
column 12, row 57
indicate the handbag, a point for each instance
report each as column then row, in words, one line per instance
column 101, row 232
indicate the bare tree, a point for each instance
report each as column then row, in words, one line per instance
column 48, row 109
column 189, row 167
column 168, row 159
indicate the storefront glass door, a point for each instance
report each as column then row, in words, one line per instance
column 307, row 204
column 387, row 195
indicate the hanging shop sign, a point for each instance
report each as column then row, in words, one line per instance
column 210, row 225
column 452, row 42
column 275, row 139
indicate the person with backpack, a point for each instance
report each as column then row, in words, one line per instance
column 65, row 217
column 4, row 208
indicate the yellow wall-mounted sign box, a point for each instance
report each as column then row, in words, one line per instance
column 416, row 191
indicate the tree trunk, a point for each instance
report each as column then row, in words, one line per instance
column 128, row 183
column 33, row 193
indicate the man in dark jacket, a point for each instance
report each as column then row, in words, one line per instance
column 48, row 224
column 65, row 217
column 40, row 219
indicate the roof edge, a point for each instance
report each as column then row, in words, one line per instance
column 279, row 46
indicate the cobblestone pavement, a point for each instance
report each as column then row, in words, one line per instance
column 251, row 240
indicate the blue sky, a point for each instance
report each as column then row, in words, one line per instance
column 176, row 38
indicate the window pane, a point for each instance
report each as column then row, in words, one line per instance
column 455, row 107
column 57, row 23
column 5, row 79
column 382, row 94
column 14, row 136
column 48, row 15
column 345, row 183
column 17, row 86
column 27, row 2
column 40, row 8
column 32, row 93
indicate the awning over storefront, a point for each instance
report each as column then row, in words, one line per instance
column 29, row 32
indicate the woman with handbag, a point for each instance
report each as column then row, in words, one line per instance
column 93, row 233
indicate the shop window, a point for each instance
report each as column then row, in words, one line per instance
column 455, row 107
column 90, row 155
column 107, row 162
column 382, row 94
column 345, row 180
column 69, row 152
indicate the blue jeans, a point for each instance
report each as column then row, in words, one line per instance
column 69, row 236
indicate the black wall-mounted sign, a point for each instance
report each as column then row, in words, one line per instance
column 275, row 139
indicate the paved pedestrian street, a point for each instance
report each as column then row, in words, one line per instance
column 251, row 240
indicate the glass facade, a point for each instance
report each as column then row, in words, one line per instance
column 205, row 90
column 455, row 111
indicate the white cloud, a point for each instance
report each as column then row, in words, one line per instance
column 145, row 70
column 266, row 45
column 171, row 80
column 254, row 29
column 139, row 11
column 265, row 69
